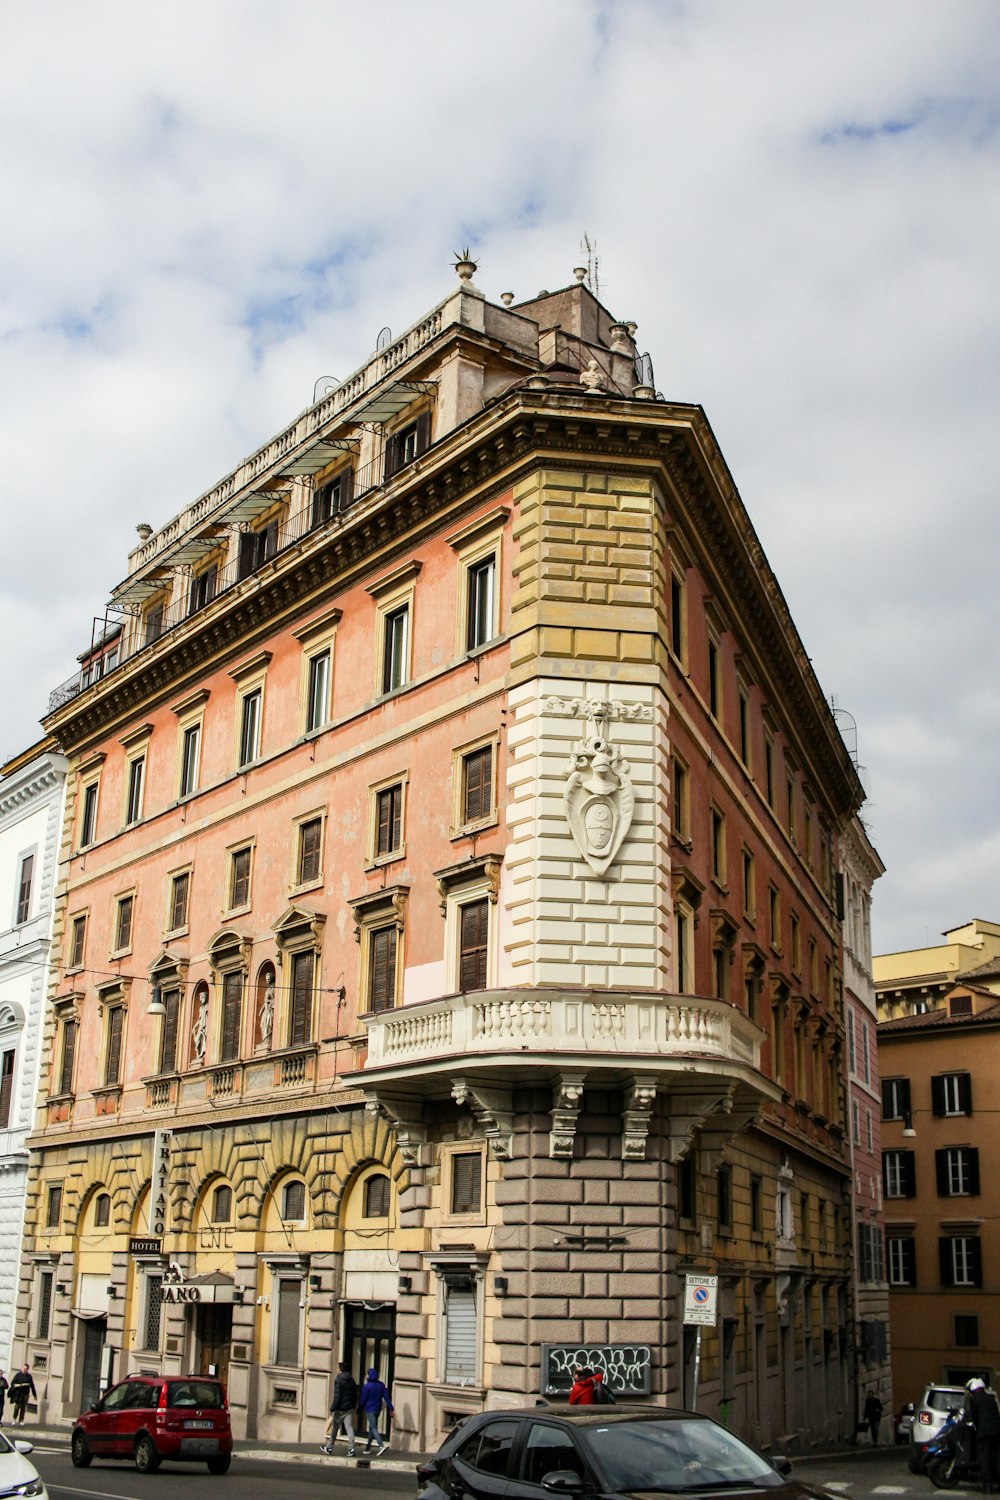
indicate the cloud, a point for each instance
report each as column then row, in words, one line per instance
column 209, row 207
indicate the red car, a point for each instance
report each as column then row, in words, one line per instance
column 148, row 1418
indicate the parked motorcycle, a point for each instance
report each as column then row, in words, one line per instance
column 950, row 1456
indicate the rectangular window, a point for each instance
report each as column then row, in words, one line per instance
column 769, row 772
column 65, row 1083
column 232, row 1015
column 679, row 781
column 168, row 1036
column 481, row 602
column 477, row 785
column 899, row 1174
column 460, row 1335
column 957, row 1170
column 467, row 1182
column 901, row 1256
column 774, row 917
column 852, row 1050
column 813, row 969
column 288, row 1314
column 190, row 757
column 239, row 878
column 790, row 792
column 24, row 888
column 154, row 1304
column 406, row 444
column 153, row 623
column 474, row 926
column 180, row 892
column 756, row 1205
column 250, row 727
column 113, row 1053
column 714, row 686
column 724, row 1199
column 133, row 800
column 717, row 834
column 678, row 632
column 257, row 548
column 865, row 1053
column 804, row 1218
column 310, row 850
column 77, row 942
column 869, row 1131
column 202, row 592
column 961, row 1260
column 300, row 1017
column 88, row 815
column 123, row 923
column 6, row 1086
column 395, row 650
column 951, row 1094
column 333, row 497
column 388, row 820
column 795, row 931
column 382, row 968
column 966, row 1331
column 318, row 705
column 749, row 901
column 683, row 950
column 46, row 1282
column 856, row 1122
column 53, row 1212
column 687, row 1189
column 745, row 730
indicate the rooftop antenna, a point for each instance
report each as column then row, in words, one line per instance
column 589, row 248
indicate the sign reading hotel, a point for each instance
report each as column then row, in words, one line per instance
column 158, row 1187
column 701, row 1300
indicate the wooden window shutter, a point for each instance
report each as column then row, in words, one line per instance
column 937, row 1094
column 232, row 1007
column 392, row 451
column 888, row 1099
column 303, row 969
column 941, row 1168
column 6, row 1088
column 975, row 1259
column 423, row 432
column 310, row 839
column 475, row 922
column 115, row 1018
column 346, row 479
column 945, row 1261
column 972, row 1166
column 179, row 907
column 965, row 1093
column 909, row 1174
column 382, row 980
column 168, row 1044
column 478, row 776
column 68, row 1057
column 467, row 1183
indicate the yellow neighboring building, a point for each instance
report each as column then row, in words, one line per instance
column 917, row 979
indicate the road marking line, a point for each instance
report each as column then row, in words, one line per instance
column 66, row 1489
column 889, row 1489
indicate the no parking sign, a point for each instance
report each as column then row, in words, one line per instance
column 701, row 1300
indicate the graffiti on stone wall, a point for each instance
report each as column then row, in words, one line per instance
column 626, row 1367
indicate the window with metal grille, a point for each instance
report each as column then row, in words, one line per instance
column 377, row 1197
column 460, row 1333
column 6, row 1087
column 318, row 703
column 293, row 1202
column 53, row 1212
column 287, row 1337
column 474, row 926
column 77, row 942
column 43, row 1322
column 477, row 784
column 222, row 1204
column 480, row 602
column 310, row 849
column 190, row 756
column 88, row 817
column 300, row 1017
column 388, row 820
column 467, row 1182
column 123, row 923
column 136, row 777
column 113, row 1055
column 232, row 1014
column 383, row 943
column 250, row 727
column 239, row 884
column 168, row 1036
column 180, row 890
column 102, row 1211
column 24, row 888
column 396, row 630
column 68, row 1057
column 154, row 1306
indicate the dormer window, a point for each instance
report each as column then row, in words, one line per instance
column 407, row 443
column 333, row 497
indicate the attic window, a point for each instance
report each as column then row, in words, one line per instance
column 960, row 1005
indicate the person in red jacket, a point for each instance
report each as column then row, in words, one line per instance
column 582, row 1393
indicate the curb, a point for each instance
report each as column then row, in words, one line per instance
column 302, row 1455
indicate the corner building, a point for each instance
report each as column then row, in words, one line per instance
column 449, row 953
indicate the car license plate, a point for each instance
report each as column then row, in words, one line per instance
column 200, row 1425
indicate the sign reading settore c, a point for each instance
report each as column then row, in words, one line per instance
column 701, row 1300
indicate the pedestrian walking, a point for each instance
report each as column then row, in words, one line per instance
column 582, row 1393
column 3, row 1393
column 374, row 1395
column 873, row 1415
column 342, row 1408
column 21, row 1387
column 982, row 1408
column 603, row 1394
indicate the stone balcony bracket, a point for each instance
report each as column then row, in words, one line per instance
column 404, row 1115
column 567, row 1097
column 492, row 1110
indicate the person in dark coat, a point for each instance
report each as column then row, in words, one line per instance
column 21, row 1387
column 582, row 1393
column 603, row 1395
column 373, row 1396
column 984, row 1413
column 3, row 1393
column 342, row 1408
column 873, row 1415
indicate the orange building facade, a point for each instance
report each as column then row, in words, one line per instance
column 449, row 948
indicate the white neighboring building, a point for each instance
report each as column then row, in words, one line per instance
column 31, row 807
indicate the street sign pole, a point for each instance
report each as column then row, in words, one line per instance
column 697, row 1369
column 701, row 1301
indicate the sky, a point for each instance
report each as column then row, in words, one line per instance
column 209, row 206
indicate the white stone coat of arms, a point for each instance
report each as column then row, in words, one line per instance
column 599, row 798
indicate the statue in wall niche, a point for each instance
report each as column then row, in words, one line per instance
column 267, row 1014
column 599, row 798
column 199, row 1031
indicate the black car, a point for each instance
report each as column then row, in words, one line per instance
column 601, row 1452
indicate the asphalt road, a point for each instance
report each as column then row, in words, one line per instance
column 248, row 1479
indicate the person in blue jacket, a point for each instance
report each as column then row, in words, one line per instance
column 373, row 1395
